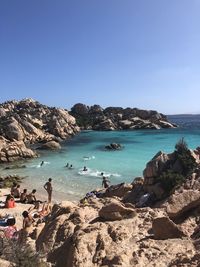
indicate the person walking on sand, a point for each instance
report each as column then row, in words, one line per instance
column 48, row 188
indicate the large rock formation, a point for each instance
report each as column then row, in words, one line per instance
column 27, row 122
column 116, row 118
column 75, row 236
column 122, row 227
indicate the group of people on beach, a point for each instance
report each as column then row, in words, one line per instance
column 38, row 211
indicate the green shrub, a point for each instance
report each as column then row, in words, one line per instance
column 183, row 154
column 170, row 179
column 181, row 146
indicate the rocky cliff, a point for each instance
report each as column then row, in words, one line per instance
column 27, row 122
column 130, row 224
column 116, row 118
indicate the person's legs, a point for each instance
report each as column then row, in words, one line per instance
column 49, row 196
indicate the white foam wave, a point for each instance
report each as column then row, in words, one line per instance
column 96, row 173
column 39, row 165
column 88, row 158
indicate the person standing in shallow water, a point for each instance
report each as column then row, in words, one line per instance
column 48, row 188
column 105, row 182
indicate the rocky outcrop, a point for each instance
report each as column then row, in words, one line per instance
column 119, row 228
column 14, row 150
column 180, row 204
column 75, row 236
column 117, row 118
column 164, row 228
column 51, row 145
column 116, row 211
column 119, row 190
column 27, row 122
column 113, row 146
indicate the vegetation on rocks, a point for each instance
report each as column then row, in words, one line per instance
column 7, row 182
column 171, row 178
column 188, row 162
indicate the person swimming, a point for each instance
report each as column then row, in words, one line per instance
column 71, row 166
column 42, row 163
column 85, row 169
column 67, row 165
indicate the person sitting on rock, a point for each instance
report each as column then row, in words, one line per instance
column 31, row 197
column 105, row 182
column 17, row 192
column 23, row 197
column 27, row 226
column 10, row 202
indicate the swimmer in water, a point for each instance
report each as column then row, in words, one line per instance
column 85, row 169
column 42, row 163
column 67, row 165
column 71, row 166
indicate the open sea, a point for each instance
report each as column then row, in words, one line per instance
column 87, row 149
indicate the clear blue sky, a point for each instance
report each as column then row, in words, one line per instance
column 138, row 53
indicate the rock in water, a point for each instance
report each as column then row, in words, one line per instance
column 51, row 145
column 113, row 146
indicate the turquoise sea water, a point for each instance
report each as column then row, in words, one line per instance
column 87, row 149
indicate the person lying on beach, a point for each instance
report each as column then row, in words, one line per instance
column 31, row 197
column 23, row 197
column 48, row 187
column 40, row 213
column 105, row 182
column 17, row 192
column 10, row 202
